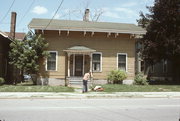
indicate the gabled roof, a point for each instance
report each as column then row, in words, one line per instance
column 4, row 37
column 79, row 49
column 90, row 26
column 18, row 35
column 4, row 34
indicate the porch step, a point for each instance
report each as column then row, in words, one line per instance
column 76, row 81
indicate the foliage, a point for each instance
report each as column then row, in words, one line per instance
column 144, row 20
column 1, row 81
column 116, row 76
column 162, row 40
column 140, row 79
column 26, row 54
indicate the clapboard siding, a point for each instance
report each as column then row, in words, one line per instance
column 108, row 46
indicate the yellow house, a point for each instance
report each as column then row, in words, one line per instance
column 77, row 47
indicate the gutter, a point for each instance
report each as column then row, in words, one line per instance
column 90, row 30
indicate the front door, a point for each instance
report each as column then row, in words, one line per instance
column 78, row 65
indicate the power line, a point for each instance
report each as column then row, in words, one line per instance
column 8, row 10
column 54, row 14
column 26, row 12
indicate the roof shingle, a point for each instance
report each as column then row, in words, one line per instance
column 70, row 25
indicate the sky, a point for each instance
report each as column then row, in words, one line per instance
column 119, row 11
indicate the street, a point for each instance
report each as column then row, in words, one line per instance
column 127, row 109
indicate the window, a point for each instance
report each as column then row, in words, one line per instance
column 122, row 61
column 96, row 62
column 52, row 61
column 164, row 66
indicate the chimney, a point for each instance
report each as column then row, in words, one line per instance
column 13, row 25
column 86, row 15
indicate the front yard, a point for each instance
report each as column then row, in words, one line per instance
column 140, row 88
column 26, row 87
column 29, row 87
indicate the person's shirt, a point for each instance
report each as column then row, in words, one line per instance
column 86, row 76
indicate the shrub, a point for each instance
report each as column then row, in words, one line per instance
column 116, row 76
column 2, row 81
column 140, row 79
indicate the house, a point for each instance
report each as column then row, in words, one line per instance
column 157, row 73
column 18, row 35
column 77, row 47
column 5, row 71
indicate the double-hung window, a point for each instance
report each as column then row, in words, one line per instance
column 52, row 61
column 96, row 62
column 122, row 61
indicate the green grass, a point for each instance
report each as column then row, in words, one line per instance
column 140, row 88
column 29, row 87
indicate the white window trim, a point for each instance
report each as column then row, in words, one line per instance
column 100, row 61
column 56, row 60
column 126, row 60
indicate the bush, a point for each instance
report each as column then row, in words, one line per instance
column 140, row 79
column 2, row 81
column 116, row 77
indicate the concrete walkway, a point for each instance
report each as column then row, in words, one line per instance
column 89, row 95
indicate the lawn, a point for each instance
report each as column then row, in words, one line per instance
column 29, row 87
column 140, row 88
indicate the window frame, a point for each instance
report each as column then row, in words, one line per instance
column 100, row 61
column 56, row 60
column 126, row 60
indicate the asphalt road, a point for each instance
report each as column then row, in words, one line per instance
column 131, row 109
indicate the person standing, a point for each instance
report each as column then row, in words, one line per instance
column 86, row 77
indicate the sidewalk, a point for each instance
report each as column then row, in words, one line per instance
column 89, row 95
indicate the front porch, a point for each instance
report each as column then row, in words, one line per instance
column 79, row 62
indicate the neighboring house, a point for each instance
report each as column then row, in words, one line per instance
column 18, row 35
column 5, row 71
column 157, row 72
column 77, row 47
column 161, row 71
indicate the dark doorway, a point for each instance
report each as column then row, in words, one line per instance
column 78, row 65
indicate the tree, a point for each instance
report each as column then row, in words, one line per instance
column 25, row 55
column 162, row 40
column 144, row 20
column 95, row 13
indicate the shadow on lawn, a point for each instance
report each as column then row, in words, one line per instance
column 164, row 82
column 28, row 83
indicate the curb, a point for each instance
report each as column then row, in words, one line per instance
column 90, row 95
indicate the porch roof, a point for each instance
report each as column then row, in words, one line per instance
column 79, row 49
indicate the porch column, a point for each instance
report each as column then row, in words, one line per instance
column 83, row 63
column 73, row 64
column 69, row 64
column 90, row 55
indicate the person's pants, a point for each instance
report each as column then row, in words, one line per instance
column 85, row 88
